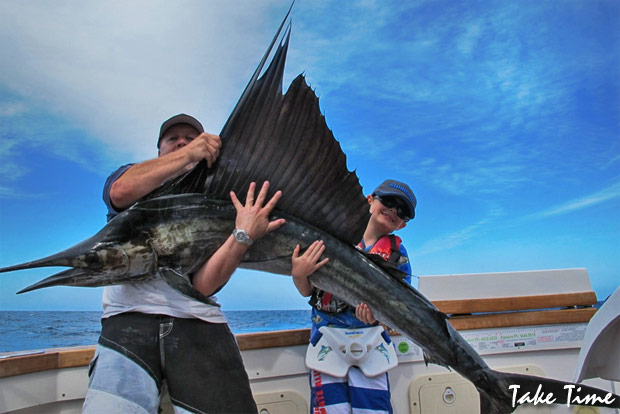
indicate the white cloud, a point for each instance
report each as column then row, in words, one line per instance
column 467, row 88
column 468, row 41
column 459, row 237
column 10, row 170
column 607, row 194
column 118, row 69
column 611, row 162
column 8, row 109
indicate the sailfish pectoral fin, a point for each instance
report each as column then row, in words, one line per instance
column 182, row 284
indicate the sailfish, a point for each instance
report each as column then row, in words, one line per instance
column 283, row 139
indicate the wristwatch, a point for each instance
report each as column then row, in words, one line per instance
column 242, row 236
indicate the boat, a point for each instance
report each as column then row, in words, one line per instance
column 530, row 322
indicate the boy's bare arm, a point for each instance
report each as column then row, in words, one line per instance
column 307, row 264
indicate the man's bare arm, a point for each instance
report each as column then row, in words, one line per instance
column 252, row 217
column 140, row 179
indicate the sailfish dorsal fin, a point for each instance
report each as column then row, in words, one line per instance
column 285, row 140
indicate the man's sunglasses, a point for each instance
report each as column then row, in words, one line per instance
column 402, row 210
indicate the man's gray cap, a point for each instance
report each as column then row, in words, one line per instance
column 179, row 119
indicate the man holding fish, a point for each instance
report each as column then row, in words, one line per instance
column 152, row 334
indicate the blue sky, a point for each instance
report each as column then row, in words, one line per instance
column 504, row 117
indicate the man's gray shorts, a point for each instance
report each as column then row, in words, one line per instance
column 199, row 361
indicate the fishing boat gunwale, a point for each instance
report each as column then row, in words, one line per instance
column 276, row 357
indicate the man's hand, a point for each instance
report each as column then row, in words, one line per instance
column 205, row 146
column 253, row 217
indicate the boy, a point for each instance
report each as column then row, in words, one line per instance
column 392, row 204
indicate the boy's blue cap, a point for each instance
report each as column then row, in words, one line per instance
column 398, row 189
column 179, row 119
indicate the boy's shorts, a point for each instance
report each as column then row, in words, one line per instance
column 199, row 361
column 355, row 393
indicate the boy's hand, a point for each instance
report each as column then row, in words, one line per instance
column 308, row 263
column 305, row 265
column 364, row 314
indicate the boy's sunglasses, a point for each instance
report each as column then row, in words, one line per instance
column 402, row 210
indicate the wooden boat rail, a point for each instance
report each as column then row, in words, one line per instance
column 464, row 315
column 519, row 310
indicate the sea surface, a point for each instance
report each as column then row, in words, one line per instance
column 32, row 330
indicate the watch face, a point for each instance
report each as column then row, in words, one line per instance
column 242, row 236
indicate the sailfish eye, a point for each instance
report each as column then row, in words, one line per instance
column 93, row 261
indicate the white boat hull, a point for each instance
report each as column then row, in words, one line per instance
column 541, row 342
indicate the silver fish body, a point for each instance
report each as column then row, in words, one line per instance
column 171, row 236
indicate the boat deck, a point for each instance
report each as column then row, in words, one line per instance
column 536, row 334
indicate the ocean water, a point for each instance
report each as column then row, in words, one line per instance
column 30, row 330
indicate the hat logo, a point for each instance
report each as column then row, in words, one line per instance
column 404, row 190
